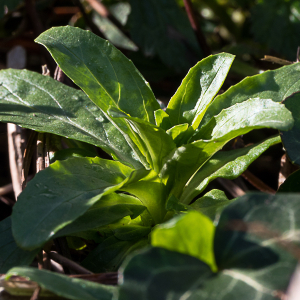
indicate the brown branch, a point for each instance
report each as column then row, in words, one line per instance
column 36, row 293
column 7, row 201
column 68, row 263
column 256, row 182
column 195, row 25
column 87, row 19
column 6, row 189
column 231, row 187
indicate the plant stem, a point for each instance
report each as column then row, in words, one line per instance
column 195, row 25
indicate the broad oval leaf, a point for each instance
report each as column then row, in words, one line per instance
column 64, row 286
column 41, row 103
column 10, row 254
column 276, row 85
column 102, row 71
column 225, row 164
column 291, row 138
column 159, row 274
column 198, row 89
column 60, row 194
column 191, row 233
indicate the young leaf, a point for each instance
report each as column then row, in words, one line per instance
column 244, row 117
column 178, row 234
column 60, row 194
column 10, row 254
column 158, row 143
column 41, row 103
column 158, row 274
column 211, row 204
column 225, row 164
column 291, row 138
column 64, row 286
column 107, row 210
column 178, row 134
column 276, row 85
column 162, row 119
column 198, row 89
column 110, row 254
column 102, row 71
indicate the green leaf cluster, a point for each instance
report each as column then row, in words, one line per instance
column 160, row 160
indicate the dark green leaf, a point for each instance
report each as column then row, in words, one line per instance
column 291, row 184
column 107, row 210
column 178, row 234
column 102, row 71
column 211, row 204
column 291, row 138
column 10, row 254
column 60, row 194
column 160, row 274
column 198, row 89
column 225, row 164
column 276, row 85
column 160, row 27
column 64, row 286
column 109, row 255
column 255, row 239
column 43, row 104
column 276, row 23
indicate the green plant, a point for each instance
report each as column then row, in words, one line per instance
column 162, row 160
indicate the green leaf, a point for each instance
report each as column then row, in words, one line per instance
column 291, row 184
column 10, row 254
column 211, row 204
column 225, row 164
column 64, row 286
column 107, row 210
column 100, row 70
column 291, row 138
column 198, row 89
column 254, row 244
column 162, row 28
column 157, row 142
column 151, row 191
column 239, row 119
column 60, row 194
column 243, row 117
column 41, row 103
column 162, row 119
column 159, row 274
column 276, row 24
column 178, row 134
column 276, row 85
column 109, row 255
column 178, row 234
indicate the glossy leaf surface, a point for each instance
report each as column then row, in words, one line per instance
column 10, row 254
column 276, row 85
column 60, row 194
column 64, row 286
column 41, row 103
column 102, row 71
column 291, row 138
column 198, row 89
column 225, row 164
column 243, row 117
column 191, row 233
column 159, row 274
